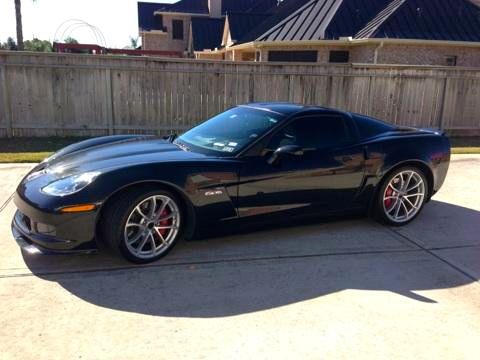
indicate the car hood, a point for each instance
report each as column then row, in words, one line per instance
column 115, row 155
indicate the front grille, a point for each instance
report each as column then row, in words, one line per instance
column 29, row 226
column 23, row 221
column 28, row 222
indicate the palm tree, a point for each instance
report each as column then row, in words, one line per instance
column 18, row 16
column 133, row 42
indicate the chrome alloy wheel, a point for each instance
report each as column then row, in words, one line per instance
column 152, row 226
column 403, row 196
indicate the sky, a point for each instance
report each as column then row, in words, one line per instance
column 116, row 20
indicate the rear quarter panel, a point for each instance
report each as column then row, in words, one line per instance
column 387, row 153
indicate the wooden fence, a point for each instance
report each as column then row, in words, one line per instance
column 89, row 95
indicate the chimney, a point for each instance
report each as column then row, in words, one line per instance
column 215, row 8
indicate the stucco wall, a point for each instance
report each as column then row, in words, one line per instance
column 428, row 55
column 364, row 54
column 211, row 56
column 393, row 54
column 323, row 52
column 154, row 40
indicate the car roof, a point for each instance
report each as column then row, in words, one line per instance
column 286, row 108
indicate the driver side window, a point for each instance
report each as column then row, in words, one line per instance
column 312, row 133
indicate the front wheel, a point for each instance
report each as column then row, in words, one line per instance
column 401, row 196
column 143, row 226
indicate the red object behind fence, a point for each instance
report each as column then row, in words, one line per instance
column 97, row 50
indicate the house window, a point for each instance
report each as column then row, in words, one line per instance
column 159, row 22
column 339, row 56
column 451, row 60
column 177, row 29
column 293, row 56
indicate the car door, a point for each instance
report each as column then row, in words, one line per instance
column 324, row 177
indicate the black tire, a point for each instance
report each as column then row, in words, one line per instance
column 117, row 213
column 379, row 207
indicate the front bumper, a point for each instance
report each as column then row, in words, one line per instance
column 38, row 231
column 29, row 246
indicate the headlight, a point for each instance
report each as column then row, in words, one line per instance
column 70, row 185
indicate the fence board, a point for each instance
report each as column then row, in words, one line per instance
column 5, row 115
column 64, row 94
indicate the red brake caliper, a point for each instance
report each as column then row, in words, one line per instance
column 388, row 201
column 167, row 222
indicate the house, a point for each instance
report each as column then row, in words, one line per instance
column 420, row 32
column 168, row 27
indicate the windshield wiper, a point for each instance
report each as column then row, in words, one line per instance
column 182, row 146
column 170, row 138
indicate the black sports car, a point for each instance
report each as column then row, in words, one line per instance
column 140, row 194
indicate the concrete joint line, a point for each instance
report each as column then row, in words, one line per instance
column 208, row 262
column 430, row 252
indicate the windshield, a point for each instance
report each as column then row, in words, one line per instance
column 229, row 132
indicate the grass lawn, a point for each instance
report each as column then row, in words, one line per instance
column 26, row 150
column 466, row 150
column 31, row 150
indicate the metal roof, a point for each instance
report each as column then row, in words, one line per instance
column 307, row 23
column 290, row 20
column 452, row 20
column 351, row 17
column 146, row 11
column 377, row 21
column 278, row 13
column 402, row 19
column 252, row 6
column 201, row 6
column 186, row 6
column 146, row 15
column 241, row 24
column 207, row 33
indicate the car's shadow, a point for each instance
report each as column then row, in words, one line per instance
column 265, row 269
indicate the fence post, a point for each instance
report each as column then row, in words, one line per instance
column 7, row 115
column 370, row 105
column 251, row 87
column 291, row 94
column 442, row 104
column 109, row 101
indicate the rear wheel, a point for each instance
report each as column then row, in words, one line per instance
column 143, row 226
column 401, row 196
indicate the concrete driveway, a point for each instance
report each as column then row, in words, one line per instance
column 338, row 289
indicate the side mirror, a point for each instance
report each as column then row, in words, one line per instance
column 293, row 150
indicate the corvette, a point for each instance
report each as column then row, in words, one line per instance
column 141, row 194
